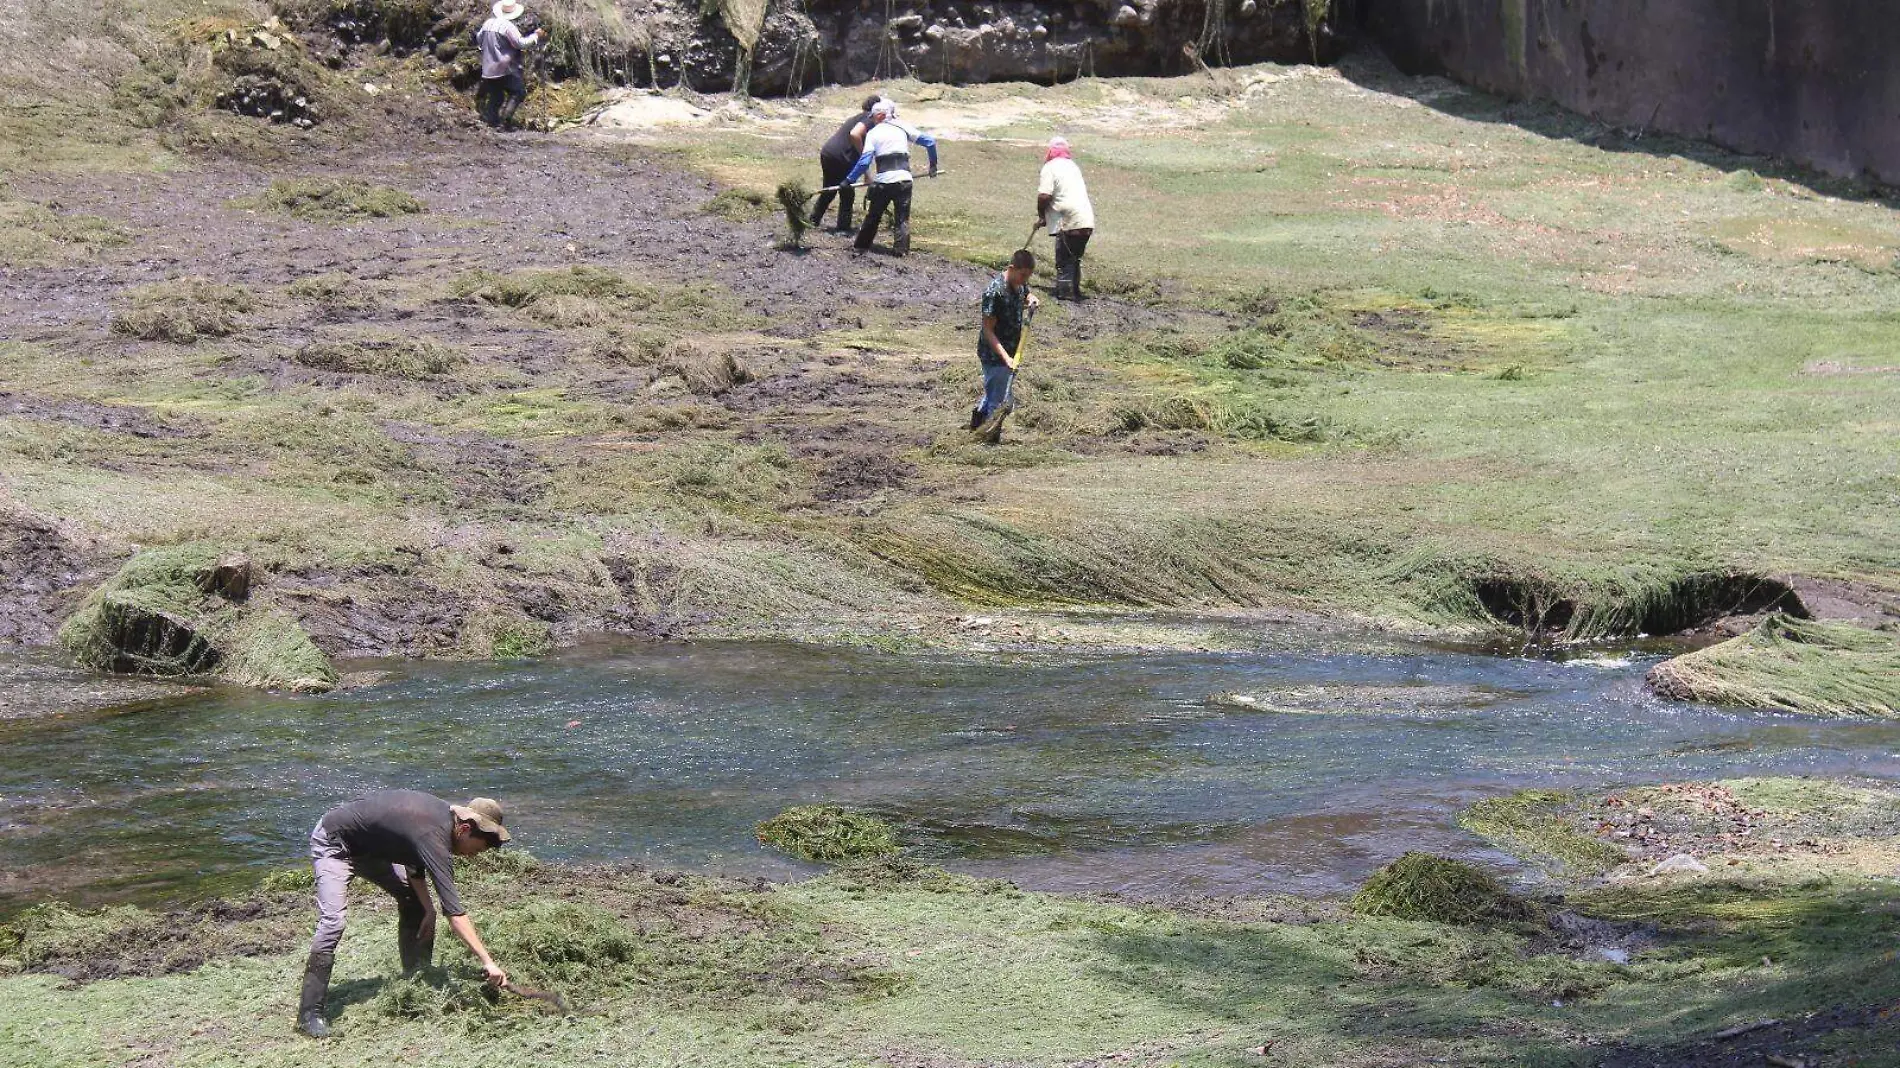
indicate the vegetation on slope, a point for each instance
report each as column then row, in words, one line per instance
column 1828, row 669
column 1375, row 400
column 183, row 610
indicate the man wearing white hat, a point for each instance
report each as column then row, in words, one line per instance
column 504, row 86
column 887, row 158
column 392, row 838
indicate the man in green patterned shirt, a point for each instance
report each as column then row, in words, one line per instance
column 1007, row 306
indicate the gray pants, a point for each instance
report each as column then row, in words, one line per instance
column 334, row 868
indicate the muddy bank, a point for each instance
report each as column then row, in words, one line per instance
column 42, row 571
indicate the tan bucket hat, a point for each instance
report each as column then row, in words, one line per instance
column 486, row 812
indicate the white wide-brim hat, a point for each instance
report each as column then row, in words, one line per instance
column 508, row 9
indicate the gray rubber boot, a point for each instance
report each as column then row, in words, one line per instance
column 316, row 989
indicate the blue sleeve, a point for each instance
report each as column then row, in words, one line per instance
column 930, row 146
column 857, row 170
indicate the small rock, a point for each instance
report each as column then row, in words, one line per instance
column 1614, row 955
column 1127, row 16
column 229, row 578
column 1681, row 862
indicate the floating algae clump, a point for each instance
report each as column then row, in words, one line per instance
column 1531, row 824
column 1420, row 886
column 1828, row 669
column 829, row 834
column 184, row 610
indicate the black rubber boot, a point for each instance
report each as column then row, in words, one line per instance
column 316, row 988
column 976, row 417
column 415, row 936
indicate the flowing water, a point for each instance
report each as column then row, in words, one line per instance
column 1099, row 773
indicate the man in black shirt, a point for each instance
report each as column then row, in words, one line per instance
column 836, row 158
column 393, row 838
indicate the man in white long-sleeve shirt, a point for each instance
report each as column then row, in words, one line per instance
column 1062, row 204
column 504, row 85
column 887, row 158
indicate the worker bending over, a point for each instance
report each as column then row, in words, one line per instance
column 392, row 839
column 835, row 160
column 887, row 157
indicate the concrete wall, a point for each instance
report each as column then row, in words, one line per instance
column 1817, row 81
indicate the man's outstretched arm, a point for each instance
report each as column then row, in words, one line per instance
column 464, row 929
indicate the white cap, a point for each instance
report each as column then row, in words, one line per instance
column 884, row 109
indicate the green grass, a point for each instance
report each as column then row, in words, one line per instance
column 324, row 199
column 1792, row 664
column 898, row 968
column 1535, row 824
column 34, row 234
column 1466, row 332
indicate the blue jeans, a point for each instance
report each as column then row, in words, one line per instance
column 997, row 378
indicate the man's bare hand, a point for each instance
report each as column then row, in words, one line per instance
column 1034, row 301
column 496, row 977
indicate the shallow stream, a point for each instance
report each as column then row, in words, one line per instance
column 1099, row 773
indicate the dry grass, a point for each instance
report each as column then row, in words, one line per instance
column 183, row 312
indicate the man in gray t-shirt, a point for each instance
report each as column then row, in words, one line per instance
column 504, row 84
column 394, row 838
